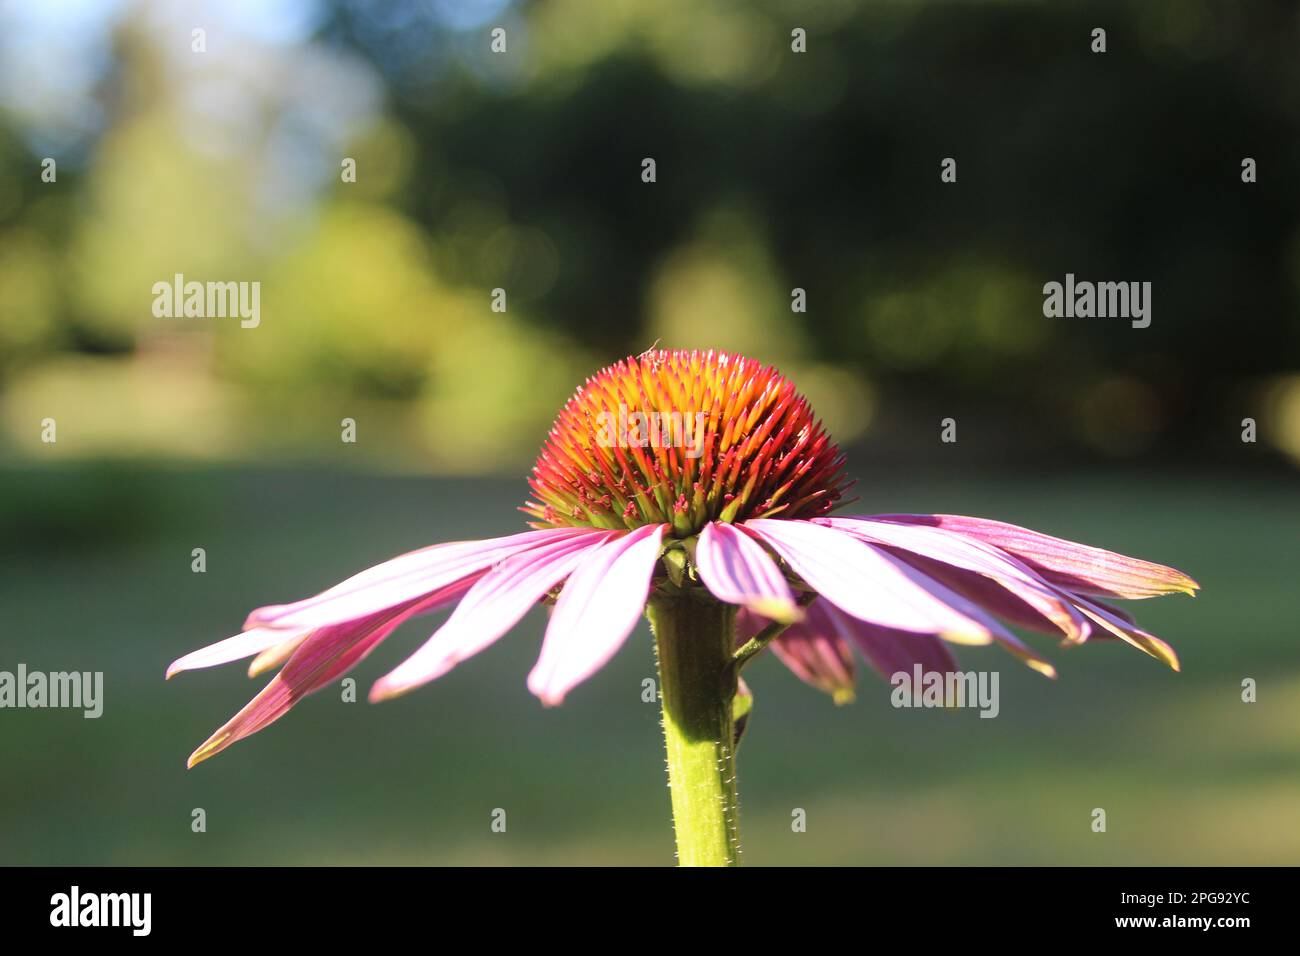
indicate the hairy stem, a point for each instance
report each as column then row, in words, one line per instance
column 697, row 679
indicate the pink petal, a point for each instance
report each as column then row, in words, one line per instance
column 273, row 645
column 1024, row 653
column 1073, row 566
column 737, row 570
column 993, row 597
column 1004, row 638
column 866, row 582
column 491, row 608
column 403, row 579
column 812, row 648
column 596, row 612
column 1123, row 629
column 889, row 651
column 1118, row 612
column 250, row 642
column 273, row 657
column 327, row 653
column 959, row 551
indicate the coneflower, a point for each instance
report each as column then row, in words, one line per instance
column 697, row 487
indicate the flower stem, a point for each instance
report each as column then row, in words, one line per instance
column 766, row 636
column 697, row 685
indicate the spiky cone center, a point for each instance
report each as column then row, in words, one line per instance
column 684, row 438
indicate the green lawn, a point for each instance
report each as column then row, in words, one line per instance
column 95, row 575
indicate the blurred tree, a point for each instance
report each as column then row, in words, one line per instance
column 776, row 169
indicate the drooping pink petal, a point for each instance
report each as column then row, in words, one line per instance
column 273, row 657
column 970, row 555
column 866, row 582
column 1125, row 630
column 1118, row 612
column 1024, row 653
column 887, row 651
column 993, row 597
column 403, row 579
column 596, row 612
column 491, row 608
column 1073, row 566
column 1004, row 638
column 737, row 570
column 273, row 645
column 253, row 641
column 326, row 654
column 812, row 648
column 890, row 651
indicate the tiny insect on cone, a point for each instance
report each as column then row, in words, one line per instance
column 697, row 487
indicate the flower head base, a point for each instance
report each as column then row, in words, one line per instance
column 684, row 438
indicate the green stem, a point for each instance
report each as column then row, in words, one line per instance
column 766, row 636
column 697, row 683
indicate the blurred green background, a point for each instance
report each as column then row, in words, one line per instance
column 521, row 171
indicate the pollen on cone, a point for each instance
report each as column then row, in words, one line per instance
column 684, row 437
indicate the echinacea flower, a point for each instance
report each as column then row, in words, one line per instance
column 697, row 488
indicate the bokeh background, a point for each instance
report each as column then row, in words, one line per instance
column 522, row 171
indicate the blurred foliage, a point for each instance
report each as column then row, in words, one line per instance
column 521, row 171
